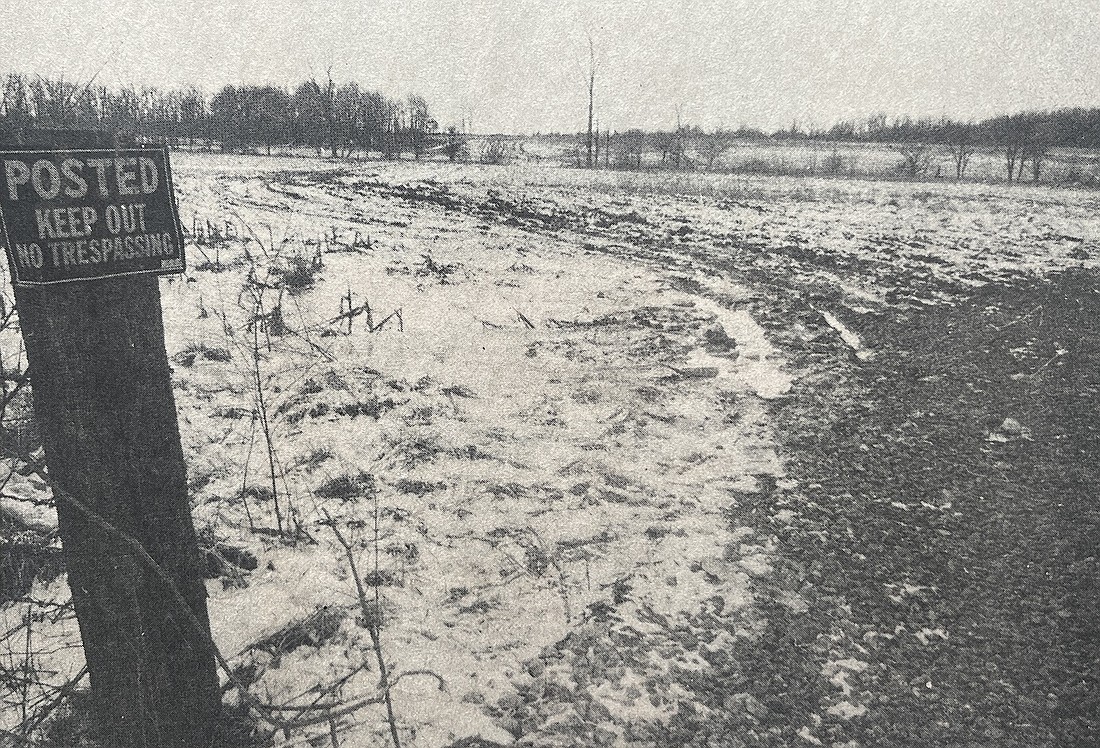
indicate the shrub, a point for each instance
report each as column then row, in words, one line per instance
column 915, row 158
column 495, row 151
column 297, row 273
column 346, row 487
column 834, row 163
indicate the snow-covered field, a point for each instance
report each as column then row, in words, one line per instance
column 541, row 458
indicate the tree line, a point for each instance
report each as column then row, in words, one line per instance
column 1061, row 128
column 316, row 113
column 1023, row 141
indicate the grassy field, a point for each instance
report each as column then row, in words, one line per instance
column 642, row 458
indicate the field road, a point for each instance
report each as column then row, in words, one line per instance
column 639, row 459
column 945, row 528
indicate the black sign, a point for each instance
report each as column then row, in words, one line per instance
column 83, row 214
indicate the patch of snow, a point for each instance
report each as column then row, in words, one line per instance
column 809, row 737
column 850, row 338
column 759, row 366
column 847, row 710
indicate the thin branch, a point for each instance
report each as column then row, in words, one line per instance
column 371, row 619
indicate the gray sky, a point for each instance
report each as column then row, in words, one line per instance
column 520, row 65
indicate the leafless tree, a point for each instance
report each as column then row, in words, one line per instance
column 629, row 147
column 1036, row 147
column 712, row 146
column 1010, row 133
column 591, row 95
column 321, row 99
column 960, row 145
column 665, row 142
column 1036, row 153
column 420, row 124
column 679, row 144
column 915, row 158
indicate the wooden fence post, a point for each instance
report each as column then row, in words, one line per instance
column 103, row 399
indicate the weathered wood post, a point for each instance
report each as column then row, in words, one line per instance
column 86, row 231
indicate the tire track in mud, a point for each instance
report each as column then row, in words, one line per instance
column 972, row 558
column 763, row 680
column 891, row 568
column 864, row 561
column 570, row 683
column 859, row 636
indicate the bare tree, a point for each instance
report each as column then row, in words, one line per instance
column 1010, row 133
column 420, row 124
column 328, row 110
column 960, row 145
column 1036, row 147
column 591, row 94
column 915, row 158
column 711, row 147
column 679, row 147
column 1036, row 153
column 325, row 98
column 629, row 147
column 347, row 112
column 665, row 142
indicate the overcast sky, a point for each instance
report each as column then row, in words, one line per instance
column 520, row 66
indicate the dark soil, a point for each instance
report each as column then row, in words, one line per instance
column 899, row 483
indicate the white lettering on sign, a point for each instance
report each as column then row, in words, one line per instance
column 70, row 170
column 148, row 175
column 67, row 223
column 17, row 174
column 95, row 251
column 46, row 189
column 127, row 219
column 82, row 214
column 122, row 176
column 30, row 255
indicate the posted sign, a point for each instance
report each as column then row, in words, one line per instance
column 83, row 214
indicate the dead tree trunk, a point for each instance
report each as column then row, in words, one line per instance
column 591, row 95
